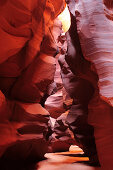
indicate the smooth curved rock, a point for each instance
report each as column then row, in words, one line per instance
column 26, row 70
column 95, row 28
column 94, row 24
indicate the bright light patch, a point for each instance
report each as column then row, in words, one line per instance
column 65, row 18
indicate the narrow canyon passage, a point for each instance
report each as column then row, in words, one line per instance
column 56, row 84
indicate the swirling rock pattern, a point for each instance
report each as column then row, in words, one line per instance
column 95, row 27
column 26, row 70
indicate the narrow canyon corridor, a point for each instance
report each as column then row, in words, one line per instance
column 56, row 84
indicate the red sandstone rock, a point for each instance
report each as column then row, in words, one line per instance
column 25, row 76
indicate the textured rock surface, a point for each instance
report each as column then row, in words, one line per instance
column 95, row 31
column 29, row 38
column 95, row 28
column 54, row 103
column 27, row 67
column 74, row 69
column 59, row 101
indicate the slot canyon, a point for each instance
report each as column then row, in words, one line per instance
column 56, row 84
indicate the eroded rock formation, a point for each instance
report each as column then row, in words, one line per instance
column 95, row 28
column 30, row 35
column 27, row 67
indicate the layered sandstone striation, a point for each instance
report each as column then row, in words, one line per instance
column 95, row 28
column 27, row 67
